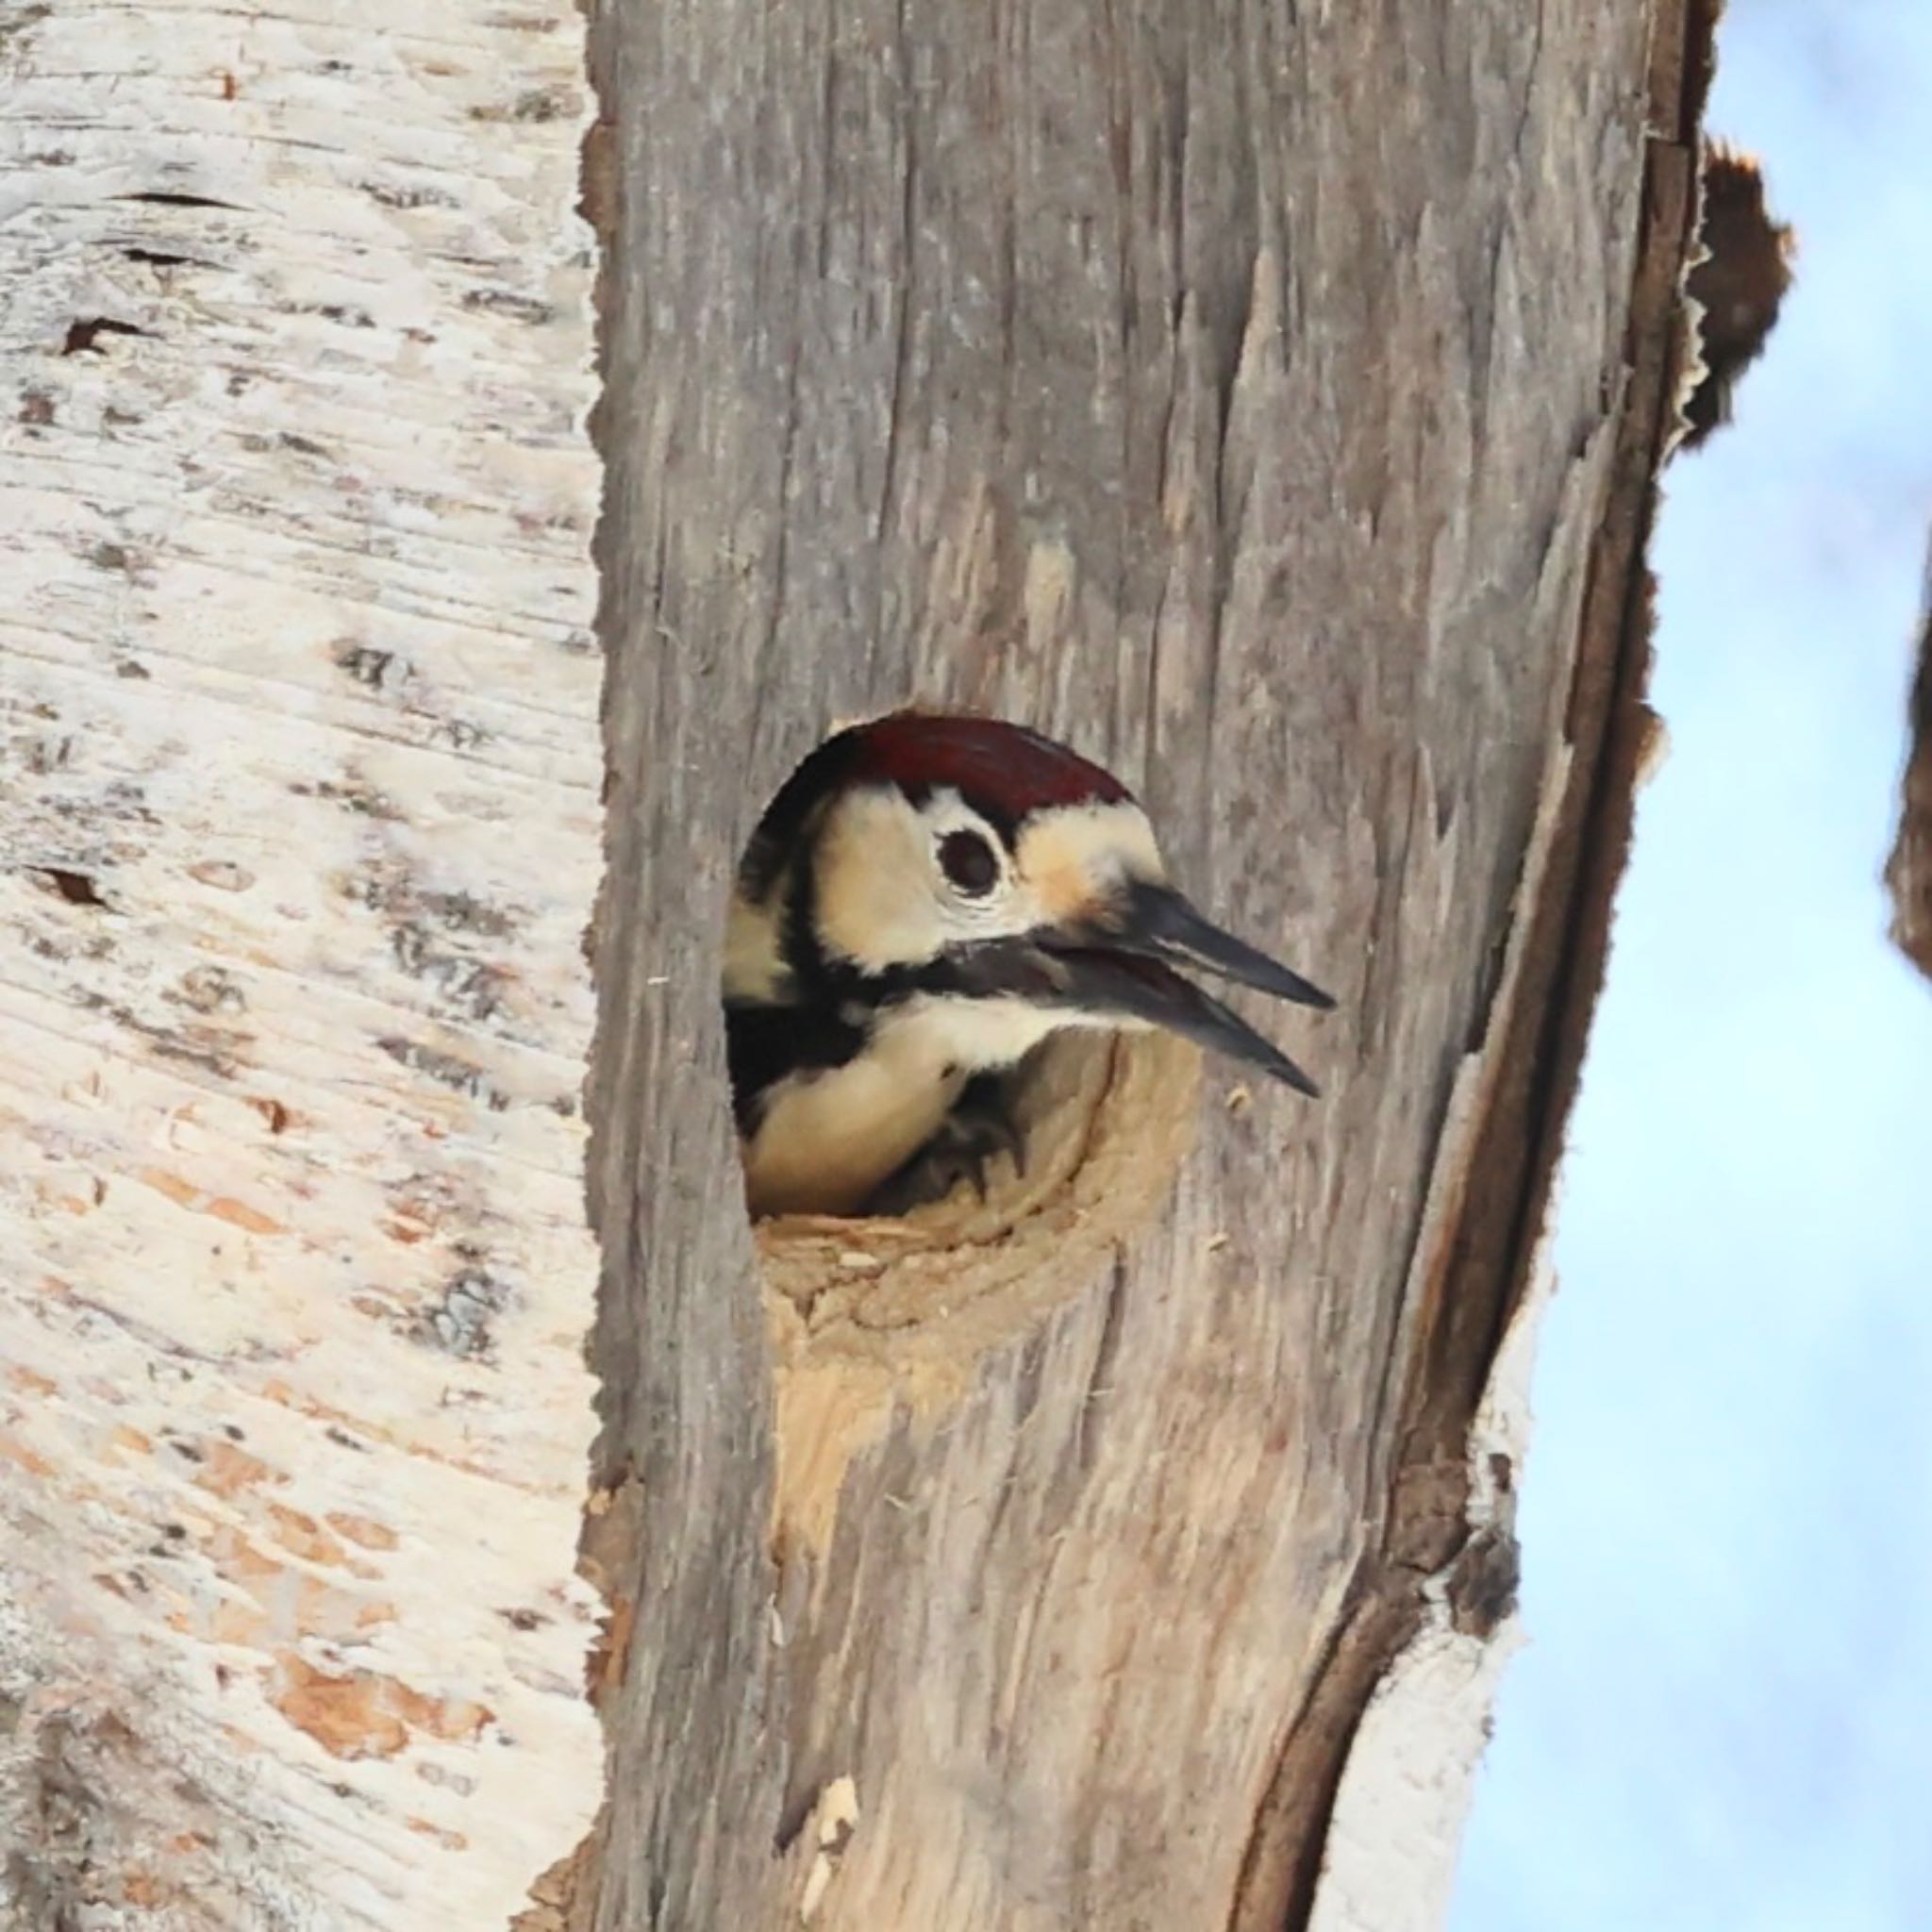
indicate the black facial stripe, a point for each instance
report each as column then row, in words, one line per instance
column 762, row 1044
column 828, row 984
column 840, row 1006
column 798, row 931
column 826, row 1028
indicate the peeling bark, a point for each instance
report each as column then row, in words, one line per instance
column 1908, row 875
column 1739, row 286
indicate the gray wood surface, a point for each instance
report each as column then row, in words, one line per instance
column 1265, row 399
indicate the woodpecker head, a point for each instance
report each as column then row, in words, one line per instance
column 989, row 885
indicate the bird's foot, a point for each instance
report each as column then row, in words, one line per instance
column 979, row 1128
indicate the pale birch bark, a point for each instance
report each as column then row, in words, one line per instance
column 302, row 830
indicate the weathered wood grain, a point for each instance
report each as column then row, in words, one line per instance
column 1267, row 399
column 299, row 809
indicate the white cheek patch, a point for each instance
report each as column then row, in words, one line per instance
column 876, row 906
column 883, row 899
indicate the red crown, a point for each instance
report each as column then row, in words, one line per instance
column 996, row 766
column 1004, row 772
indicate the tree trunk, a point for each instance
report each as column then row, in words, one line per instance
column 1269, row 404
column 1267, row 401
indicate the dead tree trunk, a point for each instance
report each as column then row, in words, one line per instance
column 1267, row 401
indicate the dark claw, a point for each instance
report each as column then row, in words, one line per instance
column 979, row 1128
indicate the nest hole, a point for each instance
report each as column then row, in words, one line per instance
column 1107, row 1121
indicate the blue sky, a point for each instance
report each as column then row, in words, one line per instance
column 1723, row 1722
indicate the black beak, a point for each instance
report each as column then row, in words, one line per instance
column 1158, row 922
column 1122, row 966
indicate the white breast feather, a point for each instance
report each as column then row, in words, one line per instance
column 826, row 1139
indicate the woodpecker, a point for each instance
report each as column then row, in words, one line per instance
column 926, row 899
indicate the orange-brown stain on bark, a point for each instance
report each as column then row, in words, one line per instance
column 364, row 1713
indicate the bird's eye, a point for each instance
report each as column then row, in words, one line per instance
column 968, row 860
